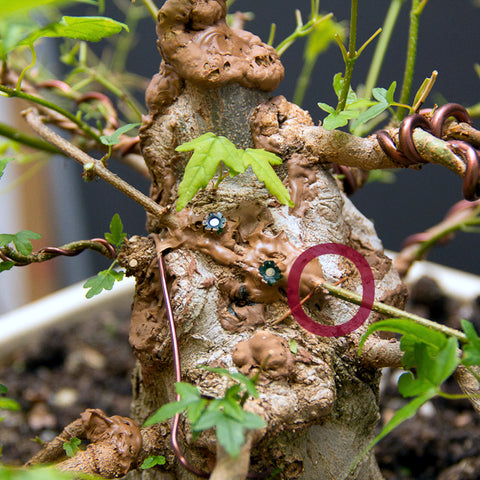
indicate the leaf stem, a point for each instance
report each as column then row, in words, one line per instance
column 28, row 67
column 13, row 134
column 393, row 312
column 10, row 92
column 349, row 58
column 382, row 45
column 151, row 7
column 415, row 12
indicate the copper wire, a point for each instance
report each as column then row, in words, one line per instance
column 406, row 154
column 178, row 376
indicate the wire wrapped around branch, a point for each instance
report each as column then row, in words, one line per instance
column 100, row 245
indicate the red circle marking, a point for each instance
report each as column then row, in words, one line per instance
column 368, row 285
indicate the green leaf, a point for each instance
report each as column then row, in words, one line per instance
column 406, row 412
column 409, row 386
column 369, row 114
column 165, row 412
column 9, row 7
column 104, row 280
column 91, row 29
column 209, row 419
column 189, row 397
column 325, row 107
column 6, row 265
column 321, row 38
column 3, row 164
column 3, row 388
column 293, row 346
column 230, row 435
column 195, row 409
column 242, row 379
column 187, row 391
column 340, row 119
column 472, row 349
column 252, row 421
column 21, row 240
column 71, row 447
column 404, row 326
column 116, row 234
column 114, row 138
column 9, row 404
column 208, row 151
column 153, row 460
column 261, row 162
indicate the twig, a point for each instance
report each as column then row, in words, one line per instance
column 45, row 103
column 390, row 311
column 96, row 166
column 415, row 12
column 462, row 216
column 13, row 134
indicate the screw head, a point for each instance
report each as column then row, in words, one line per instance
column 215, row 222
column 270, row 273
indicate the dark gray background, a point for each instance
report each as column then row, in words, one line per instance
column 448, row 42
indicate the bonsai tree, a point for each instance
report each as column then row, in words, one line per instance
column 245, row 321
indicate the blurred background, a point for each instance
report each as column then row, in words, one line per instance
column 51, row 198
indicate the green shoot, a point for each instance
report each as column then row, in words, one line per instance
column 72, row 447
column 225, row 414
column 105, row 279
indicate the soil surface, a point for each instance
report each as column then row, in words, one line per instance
column 88, row 365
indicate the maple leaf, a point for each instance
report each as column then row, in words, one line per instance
column 208, row 151
column 261, row 162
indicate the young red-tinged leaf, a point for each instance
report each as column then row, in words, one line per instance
column 90, row 29
column 261, row 162
column 114, row 138
column 472, row 348
column 116, row 234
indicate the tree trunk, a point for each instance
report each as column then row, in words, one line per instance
column 320, row 405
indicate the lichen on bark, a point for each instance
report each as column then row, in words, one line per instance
column 321, row 406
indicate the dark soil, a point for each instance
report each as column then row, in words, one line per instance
column 88, row 365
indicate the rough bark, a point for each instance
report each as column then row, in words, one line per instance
column 321, row 406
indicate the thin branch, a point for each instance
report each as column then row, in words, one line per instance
column 95, row 166
column 390, row 311
column 13, row 134
column 382, row 45
column 10, row 92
